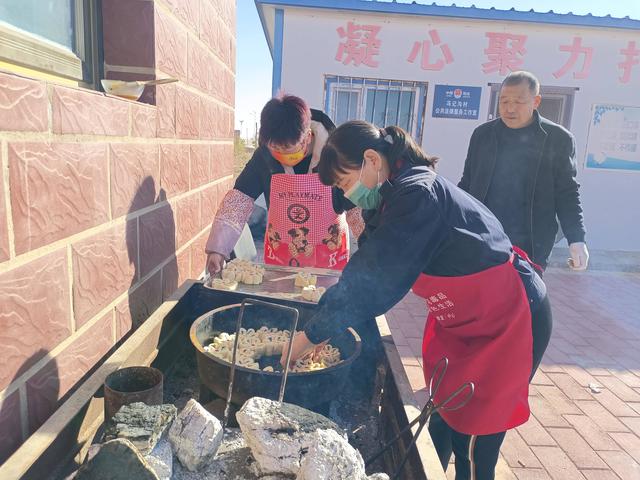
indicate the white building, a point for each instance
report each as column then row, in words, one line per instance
column 435, row 71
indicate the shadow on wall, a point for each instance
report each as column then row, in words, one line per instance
column 42, row 386
column 151, row 241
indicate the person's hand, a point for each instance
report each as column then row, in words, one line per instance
column 215, row 262
column 318, row 349
column 579, row 256
column 301, row 346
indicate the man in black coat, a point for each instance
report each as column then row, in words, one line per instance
column 522, row 167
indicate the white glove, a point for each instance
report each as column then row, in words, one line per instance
column 579, row 256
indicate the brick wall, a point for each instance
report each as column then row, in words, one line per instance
column 105, row 204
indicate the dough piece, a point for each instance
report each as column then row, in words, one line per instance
column 239, row 264
column 312, row 293
column 254, row 344
column 223, row 284
column 305, row 279
column 243, row 271
column 251, row 277
column 255, row 268
column 228, row 274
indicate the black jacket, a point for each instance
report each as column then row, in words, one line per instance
column 552, row 187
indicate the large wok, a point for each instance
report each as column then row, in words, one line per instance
column 309, row 389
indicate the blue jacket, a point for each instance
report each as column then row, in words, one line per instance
column 424, row 225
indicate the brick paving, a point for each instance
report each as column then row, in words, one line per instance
column 573, row 433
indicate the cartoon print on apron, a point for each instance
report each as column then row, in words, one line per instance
column 303, row 230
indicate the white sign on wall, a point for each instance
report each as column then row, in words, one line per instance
column 614, row 138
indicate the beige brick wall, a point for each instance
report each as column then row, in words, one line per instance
column 105, row 204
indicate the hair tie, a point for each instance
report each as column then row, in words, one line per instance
column 388, row 139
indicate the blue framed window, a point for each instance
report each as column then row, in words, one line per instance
column 381, row 102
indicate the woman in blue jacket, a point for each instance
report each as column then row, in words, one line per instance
column 488, row 312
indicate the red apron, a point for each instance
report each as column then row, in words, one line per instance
column 482, row 324
column 303, row 230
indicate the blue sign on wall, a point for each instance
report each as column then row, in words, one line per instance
column 454, row 101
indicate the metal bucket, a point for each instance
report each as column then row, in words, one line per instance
column 130, row 385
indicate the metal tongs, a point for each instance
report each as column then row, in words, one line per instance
column 249, row 301
column 206, row 278
column 434, row 384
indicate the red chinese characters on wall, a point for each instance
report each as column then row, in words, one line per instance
column 358, row 45
column 631, row 54
column 424, row 47
column 505, row 52
column 575, row 51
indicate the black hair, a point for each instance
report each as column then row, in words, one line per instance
column 346, row 145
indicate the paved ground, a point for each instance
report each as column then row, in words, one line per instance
column 574, row 433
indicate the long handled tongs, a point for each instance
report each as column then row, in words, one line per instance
column 249, row 301
column 458, row 398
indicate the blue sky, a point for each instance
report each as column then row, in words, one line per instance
column 253, row 67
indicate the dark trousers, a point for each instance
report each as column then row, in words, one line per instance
column 476, row 455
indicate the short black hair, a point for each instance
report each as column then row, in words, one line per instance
column 522, row 76
column 283, row 121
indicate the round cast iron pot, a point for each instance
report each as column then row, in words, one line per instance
column 307, row 389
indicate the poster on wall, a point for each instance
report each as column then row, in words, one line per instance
column 455, row 101
column 614, row 138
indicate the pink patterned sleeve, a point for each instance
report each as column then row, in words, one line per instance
column 355, row 221
column 233, row 213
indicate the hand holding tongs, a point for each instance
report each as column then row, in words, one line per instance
column 434, row 384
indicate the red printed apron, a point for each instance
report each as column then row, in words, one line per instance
column 303, row 230
column 482, row 324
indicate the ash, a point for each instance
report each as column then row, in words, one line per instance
column 356, row 411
